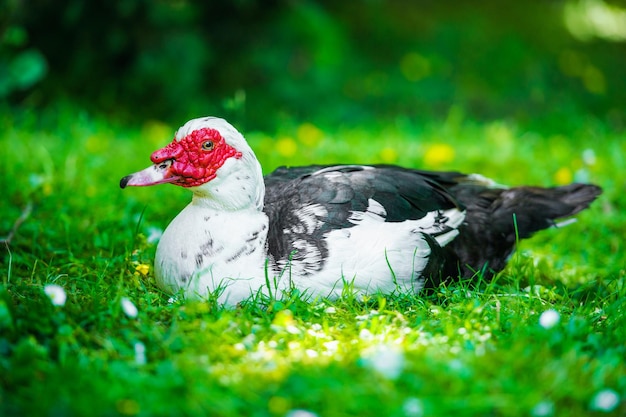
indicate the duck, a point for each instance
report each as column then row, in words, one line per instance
column 326, row 229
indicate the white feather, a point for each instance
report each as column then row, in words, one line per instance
column 375, row 255
column 310, row 218
column 438, row 221
column 230, row 234
column 482, row 180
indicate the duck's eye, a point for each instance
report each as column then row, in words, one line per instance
column 208, row 145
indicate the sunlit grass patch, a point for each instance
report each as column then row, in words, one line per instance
column 84, row 330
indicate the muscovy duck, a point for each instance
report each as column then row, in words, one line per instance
column 376, row 228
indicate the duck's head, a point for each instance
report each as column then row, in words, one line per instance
column 208, row 156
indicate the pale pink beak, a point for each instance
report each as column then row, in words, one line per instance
column 153, row 175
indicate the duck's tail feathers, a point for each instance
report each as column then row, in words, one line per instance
column 538, row 208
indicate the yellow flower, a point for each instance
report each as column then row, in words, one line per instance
column 287, row 147
column 388, row 155
column 142, row 269
column 47, row 189
column 309, row 134
column 284, row 318
column 278, row 405
column 156, row 132
column 439, row 154
column 563, row 176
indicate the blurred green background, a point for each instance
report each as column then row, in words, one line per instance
column 260, row 63
column 522, row 92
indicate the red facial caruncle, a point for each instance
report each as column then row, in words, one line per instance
column 196, row 157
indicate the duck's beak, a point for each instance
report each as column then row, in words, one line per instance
column 153, row 175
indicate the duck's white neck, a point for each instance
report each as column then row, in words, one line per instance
column 238, row 186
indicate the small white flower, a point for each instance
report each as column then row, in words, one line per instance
column 549, row 319
column 311, row 353
column 387, row 361
column 589, row 157
column 605, row 400
column 154, row 234
column 455, row 350
column 129, row 308
column 366, row 335
column 330, row 310
column 56, row 293
column 291, row 329
column 331, row 346
column 140, row 353
column 316, row 333
column 413, row 407
column 543, row 409
column 300, row 413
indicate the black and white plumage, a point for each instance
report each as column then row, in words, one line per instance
column 317, row 228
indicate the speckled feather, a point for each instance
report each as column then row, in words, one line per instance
column 338, row 192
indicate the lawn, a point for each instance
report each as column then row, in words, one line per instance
column 84, row 330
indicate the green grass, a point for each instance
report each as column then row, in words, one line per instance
column 459, row 351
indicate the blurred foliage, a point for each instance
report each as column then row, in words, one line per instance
column 261, row 62
column 21, row 68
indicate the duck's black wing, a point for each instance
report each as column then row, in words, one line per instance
column 305, row 203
